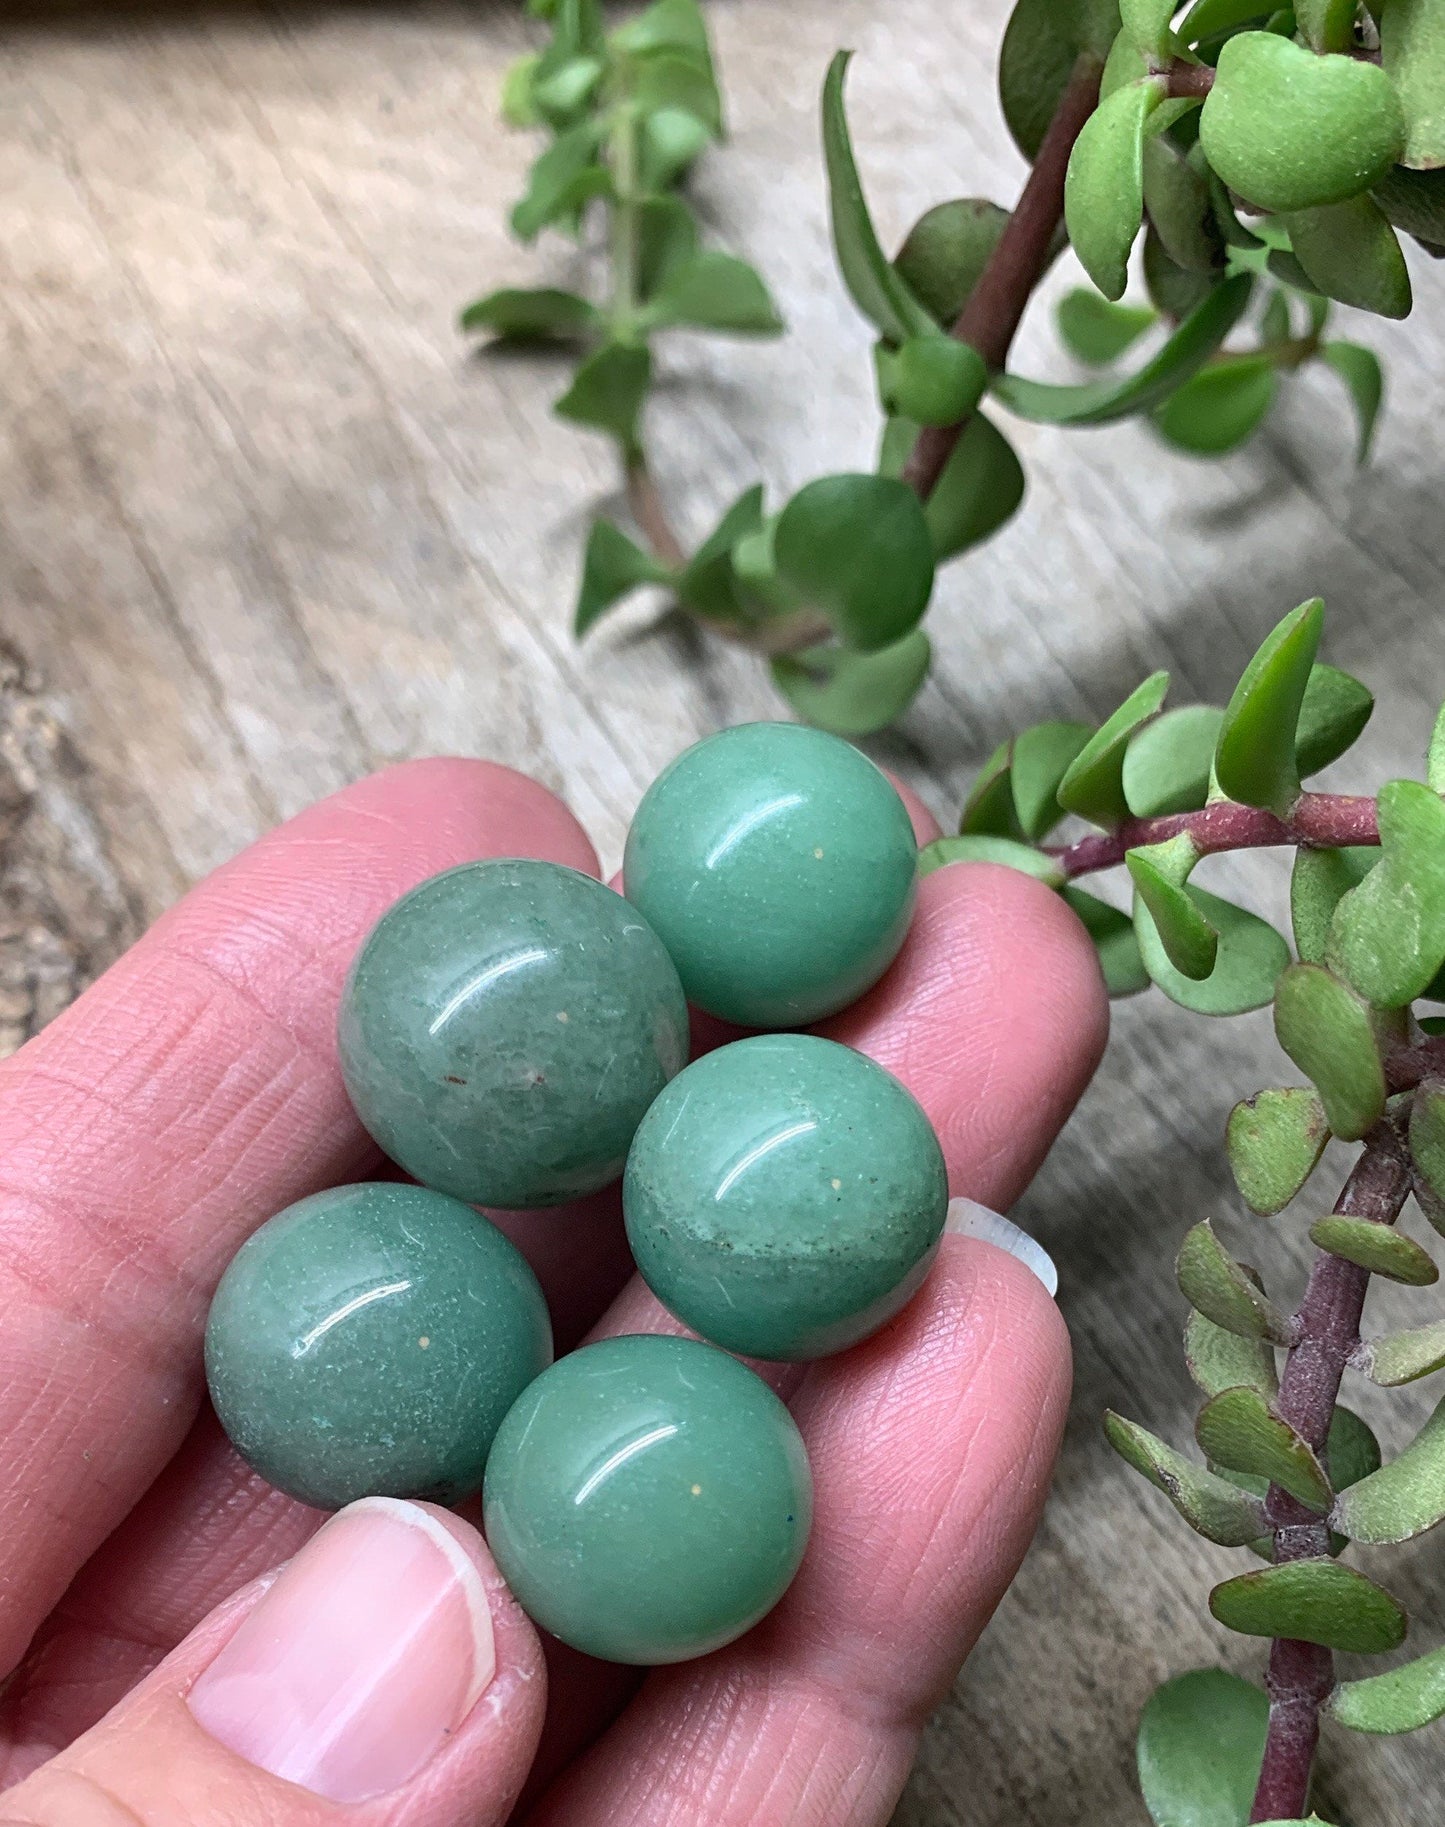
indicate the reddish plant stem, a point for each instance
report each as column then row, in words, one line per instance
column 1321, row 819
column 997, row 302
column 1327, row 1328
column 1189, row 80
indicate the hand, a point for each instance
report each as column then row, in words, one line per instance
column 165, row 1675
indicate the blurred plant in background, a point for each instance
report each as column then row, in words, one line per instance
column 1268, row 157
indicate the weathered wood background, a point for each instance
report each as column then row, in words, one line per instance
column 264, row 526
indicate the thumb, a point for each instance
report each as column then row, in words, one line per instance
column 386, row 1666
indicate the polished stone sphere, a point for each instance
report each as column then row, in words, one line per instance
column 648, row 1499
column 777, row 865
column 785, row 1196
column 504, row 1028
column 367, row 1341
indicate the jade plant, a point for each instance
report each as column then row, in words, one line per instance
column 1268, row 160
column 1284, row 1470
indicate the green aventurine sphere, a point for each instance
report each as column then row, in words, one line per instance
column 504, row 1029
column 785, row 1196
column 778, row 867
column 367, row 1341
column 648, row 1499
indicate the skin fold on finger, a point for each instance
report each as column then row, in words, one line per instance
column 189, row 1094
column 932, row 1445
column 375, row 1679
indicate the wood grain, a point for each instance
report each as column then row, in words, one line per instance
column 265, row 524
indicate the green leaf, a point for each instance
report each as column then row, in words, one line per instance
column 1327, row 25
column 552, row 180
column 544, row 315
column 1404, row 1498
column 613, row 568
column 1312, row 1601
column 1219, row 408
column 518, row 107
column 934, row 380
column 1351, row 1452
column 858, row 548
column 563, row 91
column 1349, row 252
column 1180, row 205
column 1326, row 1030
column 1094, row 784
column 1101, row 402
column 1146, row 25
column 666, row 25
column 1190, row 943
column 1376, row 1247
column 1335, row 710
column 666, row 242
column 608, row 391
column 1238, row 1429
column 1167, row 764
column 1275, row 325
column 1401, row 1700
column 872, row 281
column 715, row 291
column 669, row 141
column 1287, row 130
column 1220, row 1360
column 989, row 810
column 1359, row 368
column 1201, row 1744
column 1215, row 18
column 1173, row 291
column 1404, row 1357
column 1217, row 1286
column 1114, row 941
column 1042, row 756
column 1251, row 956
column 1041, row 43
column 1414, row 201
column 1427, row 1134
column 1390, row 931
column 1412, row 50
column 1435, row 757
column 709, row 583
column 1104, row 189
column 1006, row 850
column 1319, row 879
column 1255, row 757
column 1096, row 331
column 854, row 694
column 671, row 80
column 1275, row 1140
column 1212, row 1507
column 946, row 251
column 980, row 488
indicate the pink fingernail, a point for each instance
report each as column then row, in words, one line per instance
column 368, row 1652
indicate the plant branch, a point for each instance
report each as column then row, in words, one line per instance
column 1188, row 80
column 644, row 499
column 1325, row 820
column 1327, row 1328
column 1018, row 262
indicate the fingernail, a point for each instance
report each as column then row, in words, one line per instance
column 967, row 1218
column 360, row 1661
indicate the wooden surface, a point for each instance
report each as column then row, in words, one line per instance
column 264, row 526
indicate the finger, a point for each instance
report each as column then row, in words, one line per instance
column 386, row 1668
column 931, row 1447
column 994, row 1015
column 188, row 1095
